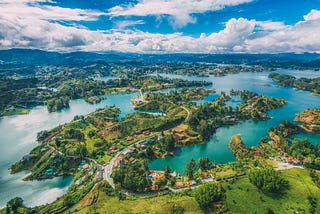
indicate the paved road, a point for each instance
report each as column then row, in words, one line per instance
column 188, row 112
column 109, row 167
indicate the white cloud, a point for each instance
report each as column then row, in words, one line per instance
column 128, row 23
column 299, row 38
column 39, row 26
column 234, row 34
column 25, row 9
column 270, row 25
column 180, row 10
column 27, row 23
column 313, row 15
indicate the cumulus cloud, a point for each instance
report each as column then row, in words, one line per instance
column 29, row 24
column 234, row 34
column 313, row 15
column 180, row 10
column 300, row 37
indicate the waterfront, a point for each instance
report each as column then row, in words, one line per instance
column 18, row 133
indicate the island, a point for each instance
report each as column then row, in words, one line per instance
column 102, row 151
column 108, row 152
column 310, row 120
column 312, row 85
column 20, row 94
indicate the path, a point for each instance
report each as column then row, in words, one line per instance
column 109, row 167
column 45, row 156
column 188, row 112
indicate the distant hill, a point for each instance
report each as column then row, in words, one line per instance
column 17, row 58
column 29, row 57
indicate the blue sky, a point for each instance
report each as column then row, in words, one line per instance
column 162, row 26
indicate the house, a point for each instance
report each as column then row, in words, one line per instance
column 118, row 161
column 192, row 183
column 154, row 188
column 85, row 166
column 147, row 132
column 89, row 174
column 296, row 162
column 131, row 159
column 128, row 150
column 157, row 178
column 130, row 138
column 205, row 175
column 179, row 184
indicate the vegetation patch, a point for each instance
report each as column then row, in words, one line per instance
column 310, row 119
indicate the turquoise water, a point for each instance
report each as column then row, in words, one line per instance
column 18, row 133
column 216, row 149
column 18, row 137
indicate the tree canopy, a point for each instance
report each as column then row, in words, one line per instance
column 190, row 168
column 208, row 193
column 268, row 180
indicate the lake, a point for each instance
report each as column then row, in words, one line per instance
column 18, row 133
column 216, row 148
column 18, row 137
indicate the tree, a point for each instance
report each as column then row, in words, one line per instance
column 172, row 181
column 149, row 152
column 121, row 196
column 268, row 180
column 67, row 201
column 14, row 204
column 161, row 183
column 169, row 143
column 208, row 193
column 190, row 168
column 82, row 150
column 204, row 163
column 75, row 134
column 42, row 135
column 133, row 176
column 167, row 172
column 175, row 209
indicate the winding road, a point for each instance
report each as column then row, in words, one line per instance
column 109, row 167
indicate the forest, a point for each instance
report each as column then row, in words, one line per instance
column 307, row 84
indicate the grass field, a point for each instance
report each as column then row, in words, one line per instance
column 159, row 204
column 243, row 197
column 225, row 174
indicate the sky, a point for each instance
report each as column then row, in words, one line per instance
column 162, row 26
